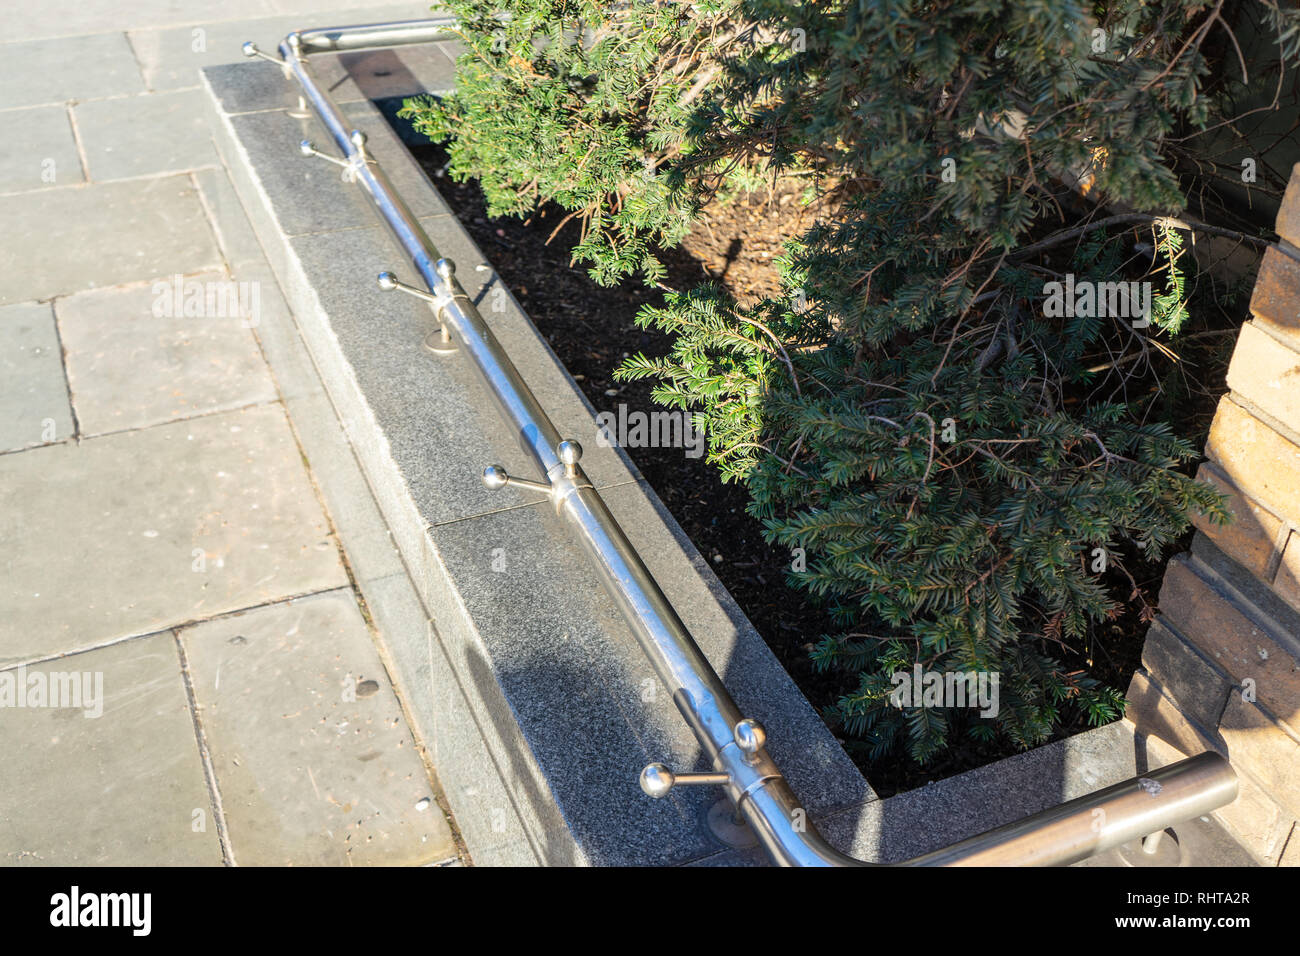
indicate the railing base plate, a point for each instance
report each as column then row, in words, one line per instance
column 723, row 824
column 438, row 342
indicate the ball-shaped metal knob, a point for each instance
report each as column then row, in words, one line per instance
column 306, row 147
column 446, row 268
column 249, row 48
column 358, row 138
column 657, row 780
column 494, row 476
column 570, row 452
column 387, row 281
column 750, row 735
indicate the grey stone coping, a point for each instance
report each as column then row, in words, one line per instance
column 528, row 689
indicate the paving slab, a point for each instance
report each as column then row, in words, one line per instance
column 34, row 407
column 39, row 150
column 124, row 788
column 159, row 527
column 171, row 58
column 72, row 18
column 54, row 71
column 313, row 760
column 144, row 135
column 105, row 234
column 158, row 352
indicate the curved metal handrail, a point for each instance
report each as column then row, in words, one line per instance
column 734, row 744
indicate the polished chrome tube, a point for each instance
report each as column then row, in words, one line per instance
column 733, row 744
column 1100, row 821
column 366, row 36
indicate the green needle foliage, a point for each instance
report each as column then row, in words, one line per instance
column 584, row 104
column 963, row 477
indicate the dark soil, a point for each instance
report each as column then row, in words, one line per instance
column 591, row 329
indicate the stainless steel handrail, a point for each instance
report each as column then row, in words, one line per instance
column 734, row 744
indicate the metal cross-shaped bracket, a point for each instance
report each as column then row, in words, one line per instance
column 568, row 451
column 657, row 780
column 439, row 341
column 251, row 50
column 308, row 148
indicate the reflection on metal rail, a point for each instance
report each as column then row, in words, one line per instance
column 734, row 744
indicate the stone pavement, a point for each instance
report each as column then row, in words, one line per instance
column 188, row 674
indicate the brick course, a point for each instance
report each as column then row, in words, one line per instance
column 1259, row 823
column 1251, row 537
column 1256, row 459
column 1221, row 669
column 1228, row 635
column 1266, row 373
column 1287, row 582
column 1259, row 743
column 1288, row 217
column 1276, row 300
